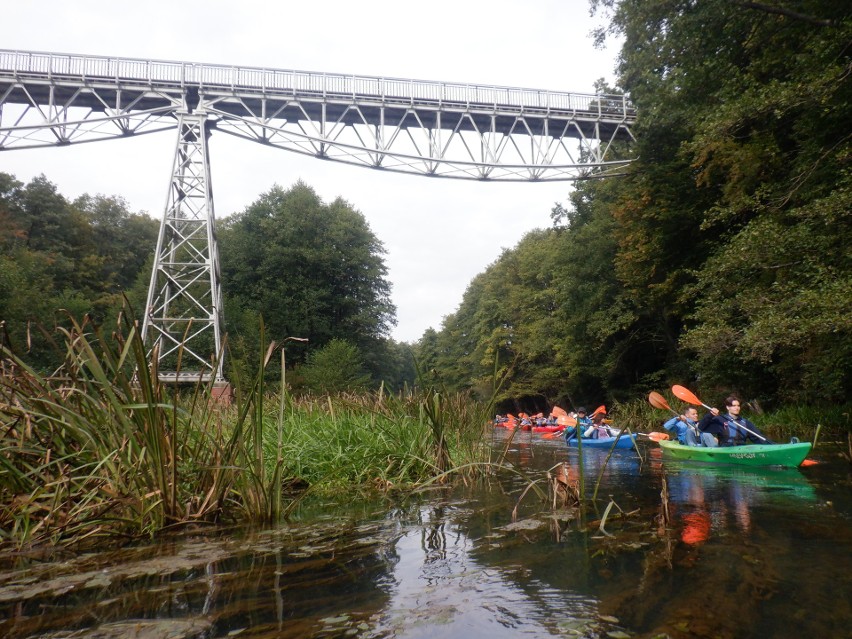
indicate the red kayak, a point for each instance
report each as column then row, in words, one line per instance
column 547, row 429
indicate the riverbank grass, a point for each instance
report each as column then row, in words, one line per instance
column 101, row 449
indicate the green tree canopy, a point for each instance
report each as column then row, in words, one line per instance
column 310, row 269
column 59, row 258
column 722, row 253
column 754, row 99
column 334, row 368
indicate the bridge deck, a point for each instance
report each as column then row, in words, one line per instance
column 101, row 83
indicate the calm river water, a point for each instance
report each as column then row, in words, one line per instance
column 741, row 554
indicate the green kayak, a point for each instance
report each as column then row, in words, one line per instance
column 789, row 455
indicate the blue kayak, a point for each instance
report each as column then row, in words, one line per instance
column 625, row 441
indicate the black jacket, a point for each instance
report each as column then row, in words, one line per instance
column 731, row 431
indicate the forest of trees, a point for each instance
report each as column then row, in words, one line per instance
column 61, row 259
column 312, row 270
column 306, row 269
column 722, row 257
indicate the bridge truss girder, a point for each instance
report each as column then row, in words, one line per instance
column 436, row 129
column 432, row 129
column 35, row 115
column 461, row 144
column 450, row 142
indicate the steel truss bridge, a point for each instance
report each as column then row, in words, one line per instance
column 438, row 129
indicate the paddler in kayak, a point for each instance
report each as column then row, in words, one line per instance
column 583, row 423
column 686, row 427
column 730, row 429
column 602, row 428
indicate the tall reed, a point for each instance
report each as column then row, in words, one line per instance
column 101, row 447
column 351, row 442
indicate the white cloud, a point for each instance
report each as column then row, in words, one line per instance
column 439, row 233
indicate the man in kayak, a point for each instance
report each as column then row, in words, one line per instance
column 731, row 429
column 583, row 424
column 686, row 427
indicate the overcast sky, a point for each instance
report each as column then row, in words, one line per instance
column 438, row 233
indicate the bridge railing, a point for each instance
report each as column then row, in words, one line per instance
column 156, row 73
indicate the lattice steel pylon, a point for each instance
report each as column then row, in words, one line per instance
column 183, row 314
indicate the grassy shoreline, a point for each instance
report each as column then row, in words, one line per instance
column 102, row 450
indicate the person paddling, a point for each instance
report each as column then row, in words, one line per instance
column 730, row 429
column 686, row 427
column 601, row 428
column 583, row 422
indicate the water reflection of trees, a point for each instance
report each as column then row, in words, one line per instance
column 724, row 560
column 721, row 563
column 449, row 578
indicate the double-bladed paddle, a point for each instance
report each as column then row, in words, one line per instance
column 562, row 420
column 658, row 401
column 686, row 395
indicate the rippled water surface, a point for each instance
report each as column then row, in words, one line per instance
column 736, row 553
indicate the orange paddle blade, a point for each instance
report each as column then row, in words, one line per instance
column 566, row 421
column 553, row 435
column 808, row 462
column 686, row 395
column 600, row 410
column 658, row 401
column 655, row 436
column 558, row 412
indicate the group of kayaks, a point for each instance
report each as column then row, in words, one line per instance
column 789, row 455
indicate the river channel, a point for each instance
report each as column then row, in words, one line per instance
column 730, row 553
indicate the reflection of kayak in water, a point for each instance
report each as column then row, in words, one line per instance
column 754, row 455
column 767, row 481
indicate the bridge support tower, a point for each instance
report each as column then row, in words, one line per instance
column 183, row 314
